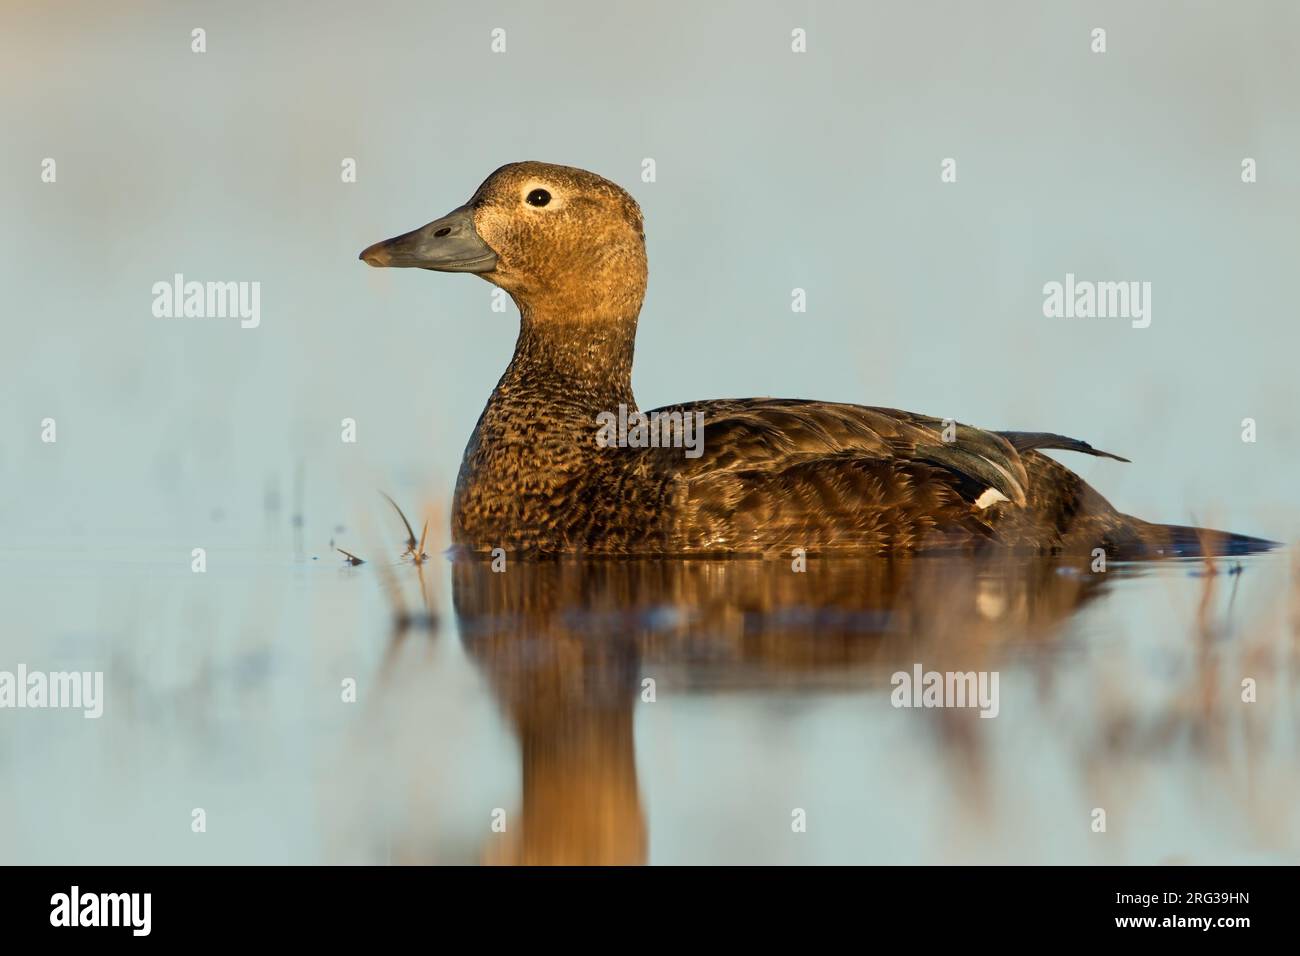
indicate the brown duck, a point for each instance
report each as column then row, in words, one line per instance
column 544, row 472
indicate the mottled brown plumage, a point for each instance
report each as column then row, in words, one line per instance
column 774, row 474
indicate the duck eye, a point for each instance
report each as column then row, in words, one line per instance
column 538, row 197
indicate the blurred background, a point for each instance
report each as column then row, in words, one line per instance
column 774, row 171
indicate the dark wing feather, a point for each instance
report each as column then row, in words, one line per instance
column 1026, row 441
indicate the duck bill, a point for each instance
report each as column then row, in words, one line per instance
column 449, row 244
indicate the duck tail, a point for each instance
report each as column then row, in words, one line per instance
column 1186, row 541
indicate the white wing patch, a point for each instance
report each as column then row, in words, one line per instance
column 991, row 496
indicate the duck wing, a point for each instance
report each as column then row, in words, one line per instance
column 787, row 472
column 773, row 434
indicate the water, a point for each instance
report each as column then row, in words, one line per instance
column 522, row 696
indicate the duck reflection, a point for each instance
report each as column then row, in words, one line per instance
column 568, row 646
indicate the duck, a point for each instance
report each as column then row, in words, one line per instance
column 768, row 476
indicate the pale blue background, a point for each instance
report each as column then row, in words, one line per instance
column 775, row 170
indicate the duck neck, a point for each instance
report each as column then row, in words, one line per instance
column 581, row 364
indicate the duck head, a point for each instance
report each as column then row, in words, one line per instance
column 565, row 243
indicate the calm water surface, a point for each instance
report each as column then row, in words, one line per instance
column 524, row 696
